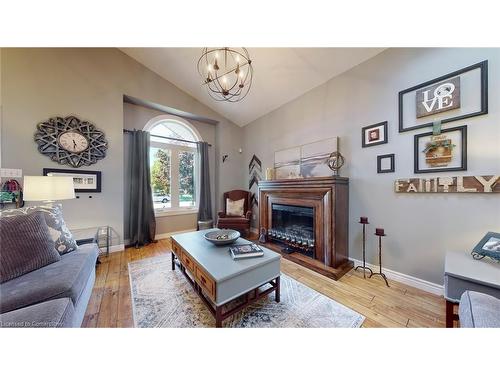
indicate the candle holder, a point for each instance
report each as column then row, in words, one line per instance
column 364, row 221
column 380, row 233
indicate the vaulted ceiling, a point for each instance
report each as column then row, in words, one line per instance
column 280, row 74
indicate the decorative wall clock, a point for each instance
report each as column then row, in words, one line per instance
column 71, row 141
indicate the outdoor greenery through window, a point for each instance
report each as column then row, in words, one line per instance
column 173, row 166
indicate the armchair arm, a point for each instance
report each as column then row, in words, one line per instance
column 248, row 215
column 221, row 214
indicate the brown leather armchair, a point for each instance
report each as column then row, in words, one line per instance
column 239, row 223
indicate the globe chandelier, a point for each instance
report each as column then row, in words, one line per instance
column 226, row 72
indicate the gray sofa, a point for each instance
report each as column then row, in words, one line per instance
column 56, row 295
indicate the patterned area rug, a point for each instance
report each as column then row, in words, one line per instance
column 163, row 298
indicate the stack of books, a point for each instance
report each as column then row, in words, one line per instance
column 245, row 251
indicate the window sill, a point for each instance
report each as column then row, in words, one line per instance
column 176, row 212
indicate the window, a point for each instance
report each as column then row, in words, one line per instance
column 173, row 164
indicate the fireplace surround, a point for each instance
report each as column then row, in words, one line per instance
column 306, row 220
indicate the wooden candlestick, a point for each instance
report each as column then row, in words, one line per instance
column 364, row 220
column 380, row 233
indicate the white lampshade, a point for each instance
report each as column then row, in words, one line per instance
column 48, row 188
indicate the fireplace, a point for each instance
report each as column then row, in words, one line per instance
column 306, row 221
column 293, row 226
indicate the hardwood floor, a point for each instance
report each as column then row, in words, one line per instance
column 398, row 306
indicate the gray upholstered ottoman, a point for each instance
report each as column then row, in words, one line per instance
column 462, row 273
column 478, row 310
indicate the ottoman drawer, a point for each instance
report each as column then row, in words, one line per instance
column 206, row 282
column 188, row 262
column 176, row 249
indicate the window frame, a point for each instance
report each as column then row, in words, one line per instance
column 175, row 150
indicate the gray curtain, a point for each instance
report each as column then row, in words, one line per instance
column 141, row 217
column 205, row 204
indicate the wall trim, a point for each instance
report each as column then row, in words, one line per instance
column 405, row 279
column 162, row 236
column 116, row 248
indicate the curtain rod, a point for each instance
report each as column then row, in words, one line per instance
column 170, row 138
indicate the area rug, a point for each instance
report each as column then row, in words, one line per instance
column 163, row 298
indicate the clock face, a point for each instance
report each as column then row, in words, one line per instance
column 73, row 141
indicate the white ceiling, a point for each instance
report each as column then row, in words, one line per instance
column 280, row 74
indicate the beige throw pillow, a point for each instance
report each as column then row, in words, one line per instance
column 234, row 208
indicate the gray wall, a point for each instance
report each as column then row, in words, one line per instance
column 39, row 83
column 136, row 117
column 421, row 228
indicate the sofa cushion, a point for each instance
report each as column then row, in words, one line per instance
column 66, row 278
column 59, row 232
column 478, row 310
column 234, row 208
column 54, row 313
column 25, row 245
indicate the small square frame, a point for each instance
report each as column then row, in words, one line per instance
column 367, row 128
column 391, row 169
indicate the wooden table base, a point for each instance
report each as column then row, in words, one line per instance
column 248, row 298
column 451, row 316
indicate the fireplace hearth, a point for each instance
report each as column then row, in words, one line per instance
column 306, row 220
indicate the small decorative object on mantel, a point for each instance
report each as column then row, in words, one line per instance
column 446, row 151
column 456, row 184
column 84, row 181
column 270, row 174
column 489, row 246
column 452, row 97
column 374, row 135
column 69, row 140
column 385, row 163
column 336, row 160
column 380, row 233
column 364, row 220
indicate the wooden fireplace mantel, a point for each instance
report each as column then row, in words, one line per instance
column 329, row 198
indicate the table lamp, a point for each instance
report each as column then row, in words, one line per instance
column 48, row 188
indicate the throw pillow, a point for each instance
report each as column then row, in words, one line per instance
column 59, row 232
column 25, row 245
column 234, row 208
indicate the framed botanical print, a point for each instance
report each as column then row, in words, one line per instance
column 385, row 163
column 452, row 97
column 446, row 151
column 374, row 135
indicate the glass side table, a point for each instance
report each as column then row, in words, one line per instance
column 100, row 235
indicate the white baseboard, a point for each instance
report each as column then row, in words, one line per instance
column 116, row 248
column 405, row 279
column 162, row 236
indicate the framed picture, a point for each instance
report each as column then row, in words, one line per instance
column 452, row 97
column 84, row 181
column 304, row 161
column 488, row 246
column 385, row 163
column 373, row 135
column 439, row 153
